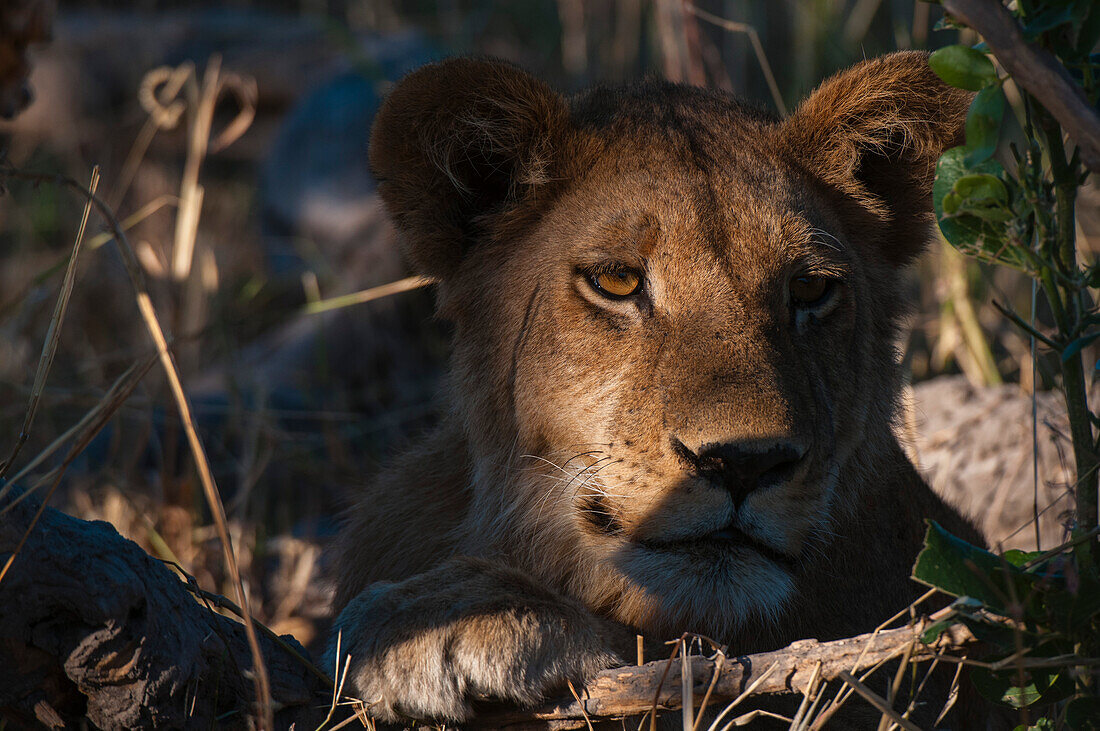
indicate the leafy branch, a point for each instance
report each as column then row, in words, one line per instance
column 1012, row 202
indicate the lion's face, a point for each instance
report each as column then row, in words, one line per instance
column 686, row 375
column 671, row 345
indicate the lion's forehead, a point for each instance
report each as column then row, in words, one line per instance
column 679, row 223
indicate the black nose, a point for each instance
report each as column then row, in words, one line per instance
column 741, row 467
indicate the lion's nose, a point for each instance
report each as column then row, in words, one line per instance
column 743, row 466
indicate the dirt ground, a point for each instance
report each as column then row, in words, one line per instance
column 975, row 446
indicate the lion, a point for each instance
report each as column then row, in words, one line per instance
column 673, row 381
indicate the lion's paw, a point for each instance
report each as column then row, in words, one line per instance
column 425, row 647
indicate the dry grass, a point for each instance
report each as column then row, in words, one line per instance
column 152, row 322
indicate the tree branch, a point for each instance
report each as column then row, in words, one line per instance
column 1036, row 70
column 634, row 690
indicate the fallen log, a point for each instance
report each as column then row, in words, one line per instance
column 93, row 627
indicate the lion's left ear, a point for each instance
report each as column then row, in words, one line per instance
column 875, row 132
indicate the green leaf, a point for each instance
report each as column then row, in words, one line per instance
column 1083, row 714
column 956, row 567
column 1047, row 20
column 963, row 67
column 1041, row 686
column 952, row 202
column 990, row 633
column 1019, row 558
column 1043, row 724
column 1088, row 35
column 1077, row 345
column 993, row 686
column 980, row 188
column 983, row 124
column 969, row 226
column 990, row 213
column 946, row 22
column 934, row 631
column 1071, row 611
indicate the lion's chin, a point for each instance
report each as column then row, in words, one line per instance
column 709, row 587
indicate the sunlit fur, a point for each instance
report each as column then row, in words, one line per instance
column 570, row 447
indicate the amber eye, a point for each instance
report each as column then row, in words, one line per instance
column 810, row 290
column 617, row 283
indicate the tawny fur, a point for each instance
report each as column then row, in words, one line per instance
column 560, row 508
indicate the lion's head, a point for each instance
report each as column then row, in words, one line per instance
column 675, row 316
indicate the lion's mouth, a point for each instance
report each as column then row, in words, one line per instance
column 729, row 536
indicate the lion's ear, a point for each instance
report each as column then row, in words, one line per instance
column 456, row 142
column 875, row 132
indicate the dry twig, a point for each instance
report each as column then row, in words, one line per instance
column 634, row 690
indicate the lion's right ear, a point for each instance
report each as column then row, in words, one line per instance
column 875, row 132
column 457, row 142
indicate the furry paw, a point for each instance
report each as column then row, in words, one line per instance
column 425, row 647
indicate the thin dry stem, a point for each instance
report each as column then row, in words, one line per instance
column 102, row 417
column 367, row 295
column 687, row 686
column 757, row 49
column 718, row 663
column 152, row 323
column 807, row 696
column 115, row 396
column 53, row 333
column 577, row 698
column 899, row 677
column 745, row 694
column 221, row 602
column 878, row 702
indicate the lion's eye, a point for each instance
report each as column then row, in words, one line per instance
column 809, row 290
column 617, row 283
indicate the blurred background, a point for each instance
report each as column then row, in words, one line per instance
column 231, row 141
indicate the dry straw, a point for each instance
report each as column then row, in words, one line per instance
column 210, row 489
column 53, row 334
